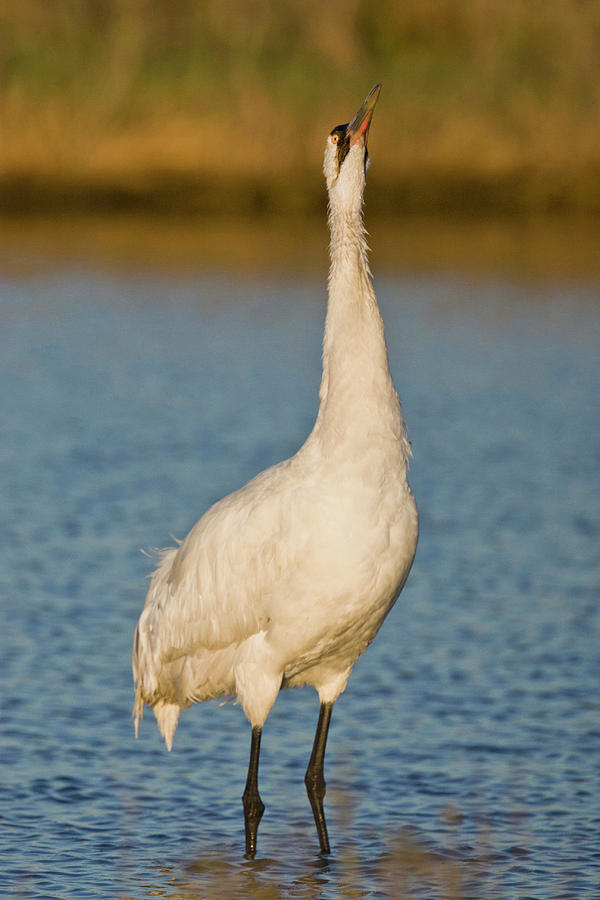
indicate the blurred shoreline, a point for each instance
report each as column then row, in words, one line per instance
column 533, row 248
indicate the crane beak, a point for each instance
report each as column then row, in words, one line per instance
column 358, row 129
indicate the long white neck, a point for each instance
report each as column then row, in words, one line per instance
column 359, row 403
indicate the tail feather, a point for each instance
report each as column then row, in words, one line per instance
column 137, row 713
column 167, row 715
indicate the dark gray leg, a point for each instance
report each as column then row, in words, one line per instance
column 314, row 780
column 253, row 805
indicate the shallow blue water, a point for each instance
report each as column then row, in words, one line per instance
column 464, row 755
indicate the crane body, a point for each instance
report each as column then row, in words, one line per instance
column 286, row 581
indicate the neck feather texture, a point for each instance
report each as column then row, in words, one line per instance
column 358, row 399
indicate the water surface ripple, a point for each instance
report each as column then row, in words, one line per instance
column 464, row 756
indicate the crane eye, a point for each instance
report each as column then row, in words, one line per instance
column 335, row 138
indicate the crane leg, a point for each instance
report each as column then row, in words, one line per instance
column 314, row 780
column 253, row 805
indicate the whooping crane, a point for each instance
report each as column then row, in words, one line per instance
column 287, row 581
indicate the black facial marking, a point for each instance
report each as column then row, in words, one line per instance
column 343, row 143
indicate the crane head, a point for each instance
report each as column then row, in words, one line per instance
column 346, row 154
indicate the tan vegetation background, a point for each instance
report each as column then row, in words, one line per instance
column 487, row 105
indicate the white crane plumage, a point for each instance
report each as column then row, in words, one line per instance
column 287, row 581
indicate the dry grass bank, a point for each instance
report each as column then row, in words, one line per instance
column 487, row 104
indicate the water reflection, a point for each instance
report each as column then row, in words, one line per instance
column 540, row 249
column 405, row 867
